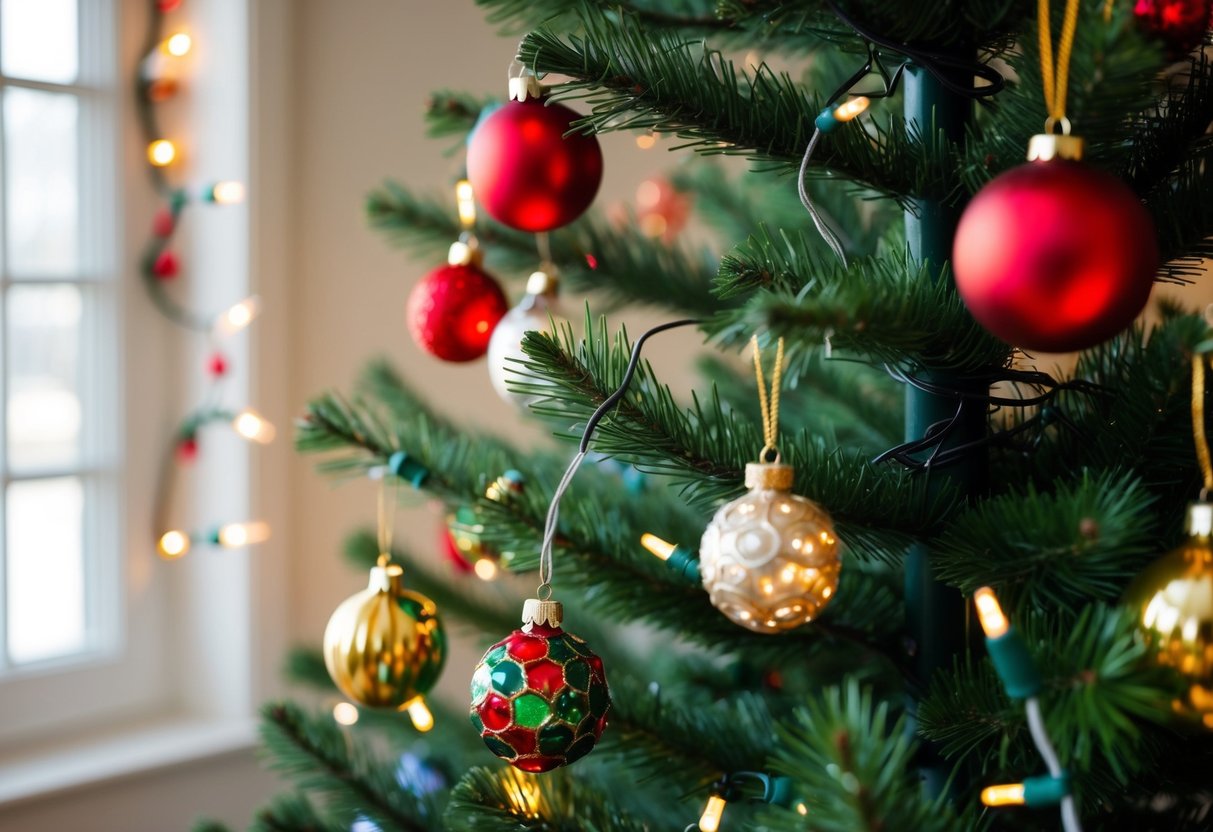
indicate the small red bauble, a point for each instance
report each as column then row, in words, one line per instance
column 1181, row 24
column 187, row 449
column 166, row 266
column 452, row 311
column 526, row 172
column 217, row 365
column 163, row 223
column 1055, row 256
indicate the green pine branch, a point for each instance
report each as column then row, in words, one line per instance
column 591, row 255
column 1062, row 550
column 851, row 763
column 293, row 813
column 453, row 113
column 315, row 753
column 888, row 309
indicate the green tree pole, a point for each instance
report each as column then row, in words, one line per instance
column 936, row 613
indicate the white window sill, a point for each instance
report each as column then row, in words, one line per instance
column 142, row 747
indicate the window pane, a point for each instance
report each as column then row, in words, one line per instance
column 44, row 408
column 46, row 616
column 38, row 39
column 42, row 182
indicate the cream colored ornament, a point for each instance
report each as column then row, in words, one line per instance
column 769, row 559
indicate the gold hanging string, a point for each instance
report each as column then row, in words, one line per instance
column 769, row 403
column 1108, row 7
column 387, row 515
column 1198, row 424
column 1056, row 77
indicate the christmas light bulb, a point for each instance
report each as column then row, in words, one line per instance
column 235, row 535
column 345, row 714
column 228, row 192
column 177, row 45
column 709, row 821
column 661, row 548
column 173, row 544
column 485, row 569
column 238, row 316
column 993, row 621
column 422, row 719
column 646, row 141
column 161, row 152
column 253, row 427
column 466, row 202
column 1009, row 794
column 849, row 109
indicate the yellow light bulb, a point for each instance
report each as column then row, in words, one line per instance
column 173, row 544
column 657, row 546
column 467, row 203
column 234, row 535
column 848, row 110
column 177, row 45
column 250, row 424
column 485, row 569
column 1009, row 794
column 646, row 141
column 993, row 622
column 228, row 192
column 422, row 719
column 709, row 821
column 161, row 152
column 345, row 714
column 237, row 317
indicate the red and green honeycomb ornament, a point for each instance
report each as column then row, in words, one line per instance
column 539, row 696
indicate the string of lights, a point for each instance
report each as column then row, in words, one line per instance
column 161, row 78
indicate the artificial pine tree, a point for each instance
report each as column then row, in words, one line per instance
column 1054, row 488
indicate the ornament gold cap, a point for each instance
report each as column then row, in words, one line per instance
column 1046, row 146
column 388, row 578
column 1200, row 519
column 526, row 85
column 542, row 613
column 542, row 283
column 465, row 252
column 766, row 476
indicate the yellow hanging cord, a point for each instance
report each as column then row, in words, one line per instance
column 769, row 403
column 1056, row 79
column 1108, row 7
column 387, row 516
column 1198, row 423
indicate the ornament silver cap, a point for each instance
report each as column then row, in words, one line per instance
column 387, row 578
column 465, row 252
column 1200, row 519
column 526, row 85
column 541, row 613
column 542, row 283
column 767, row 476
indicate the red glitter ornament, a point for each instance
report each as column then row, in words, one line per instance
column 539, row 696
column 526, row 172
column 1055, row 256
column 166, row 265
column 452, row 311
column 217, row 365
column 1181, row 24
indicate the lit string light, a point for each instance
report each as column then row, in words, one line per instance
column 1022, row 681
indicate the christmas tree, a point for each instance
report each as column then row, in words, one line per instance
column 909, row 450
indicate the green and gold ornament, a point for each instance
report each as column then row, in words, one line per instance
column 539, row 697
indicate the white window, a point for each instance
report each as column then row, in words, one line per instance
column 60, row 563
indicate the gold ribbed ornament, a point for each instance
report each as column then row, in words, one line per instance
column 769, row 559
column 1174, row 599
column 384, row 647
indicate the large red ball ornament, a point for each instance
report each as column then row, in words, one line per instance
column 452, row 312
column 526, row 172
column 1181, row 24
column 1055, row 256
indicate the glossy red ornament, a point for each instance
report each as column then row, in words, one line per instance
column 540, row 698
column 526, row 172
column 453, row 555
column 166, row 265
column 187, row 450
column 1055, row 256
column 1181, row 24
column 452, row 311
